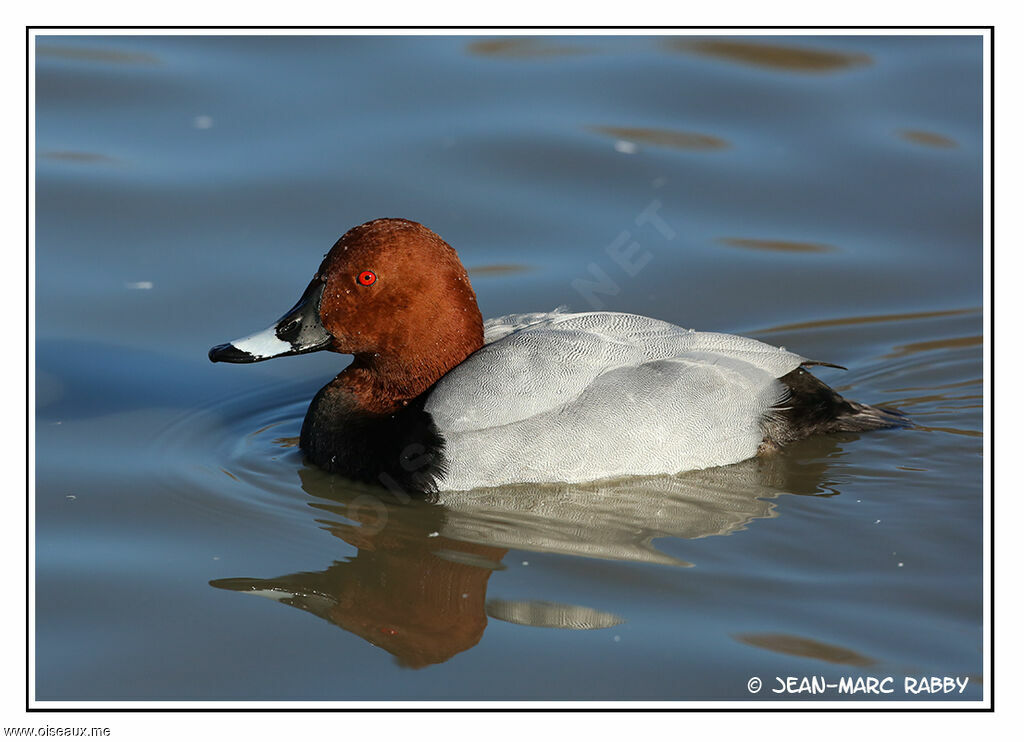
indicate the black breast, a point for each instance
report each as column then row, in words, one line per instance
column 402, row 451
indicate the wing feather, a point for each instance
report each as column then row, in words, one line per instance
column 535, row 363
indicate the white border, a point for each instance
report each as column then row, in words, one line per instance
column 32, row 368
column 623, row 705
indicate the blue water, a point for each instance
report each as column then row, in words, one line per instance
column 818, row 193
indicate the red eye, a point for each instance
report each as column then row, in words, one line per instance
column 367, row 278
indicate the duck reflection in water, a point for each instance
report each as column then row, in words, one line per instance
column 417, row 586
column 415, row 593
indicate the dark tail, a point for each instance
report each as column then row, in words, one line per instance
column 868, row 417
column 811, row 407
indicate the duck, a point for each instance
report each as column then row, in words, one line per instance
column 436, row 399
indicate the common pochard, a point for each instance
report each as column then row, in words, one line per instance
column 437, row 399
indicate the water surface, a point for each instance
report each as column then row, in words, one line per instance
column 823, row 194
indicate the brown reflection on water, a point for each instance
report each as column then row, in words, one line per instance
column 778, row 245
column 84, row 158
column 772, row 56
column 522, row 48
column 663, row 137
column 406, row 590
column 867, row 319
column 953, row 385
column 799, row 646
column 499, row 269
column 927, row 138
column 927, row 345
column 84, row 54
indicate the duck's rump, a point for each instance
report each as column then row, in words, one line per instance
column 811, row 407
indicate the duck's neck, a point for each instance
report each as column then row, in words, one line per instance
column 382, row 385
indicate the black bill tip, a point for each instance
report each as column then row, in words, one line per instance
column 227, row 353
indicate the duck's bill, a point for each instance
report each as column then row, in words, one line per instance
column 298, row 331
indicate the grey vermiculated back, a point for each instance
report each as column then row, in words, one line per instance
column 575, row 397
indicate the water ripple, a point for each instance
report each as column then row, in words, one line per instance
column 240, row 451
column 685, row 140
